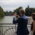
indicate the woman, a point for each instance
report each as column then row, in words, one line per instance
column 33, row 24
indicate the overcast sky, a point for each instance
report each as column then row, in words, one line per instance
column 8, row 5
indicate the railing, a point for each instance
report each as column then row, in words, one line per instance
column 9, row 28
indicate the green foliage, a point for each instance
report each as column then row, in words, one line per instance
column 8, row 13
column 17, row 10
column 1, row 12
column 29, row 11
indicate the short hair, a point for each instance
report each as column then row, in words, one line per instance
column 22, row 11
column 33, row 16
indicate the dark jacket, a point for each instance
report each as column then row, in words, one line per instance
column 22, row 25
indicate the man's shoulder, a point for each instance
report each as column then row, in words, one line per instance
column 25, row 17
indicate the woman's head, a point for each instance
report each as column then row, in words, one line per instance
column 33, row 16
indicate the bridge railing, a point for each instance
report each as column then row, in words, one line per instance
column 9, row 28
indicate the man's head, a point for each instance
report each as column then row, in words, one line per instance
column 21, row 11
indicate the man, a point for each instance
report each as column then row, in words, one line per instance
column 22, row 23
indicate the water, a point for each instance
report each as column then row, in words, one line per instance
column 7, row 19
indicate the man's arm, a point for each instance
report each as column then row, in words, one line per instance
column 16, row 21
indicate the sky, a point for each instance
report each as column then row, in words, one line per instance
column 11, row 5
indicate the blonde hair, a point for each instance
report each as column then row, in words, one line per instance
column 22, row 11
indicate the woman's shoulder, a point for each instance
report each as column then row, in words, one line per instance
column 33, row 23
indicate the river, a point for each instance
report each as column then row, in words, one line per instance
column 7, row 19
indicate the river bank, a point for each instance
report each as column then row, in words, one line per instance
column 1, row 17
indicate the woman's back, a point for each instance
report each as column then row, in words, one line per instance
column 33, row 24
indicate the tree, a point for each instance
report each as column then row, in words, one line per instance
column 29, row 11
column 11, row 13
column 1, row 12
column 17, row 10
column 8, row 13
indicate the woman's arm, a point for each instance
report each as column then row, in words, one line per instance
column 33, row 28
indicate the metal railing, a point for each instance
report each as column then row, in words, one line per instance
column 9, row 28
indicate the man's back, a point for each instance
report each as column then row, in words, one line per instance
column 22, row 24
column 23, row 21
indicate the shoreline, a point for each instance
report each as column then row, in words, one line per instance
column 1, row 17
